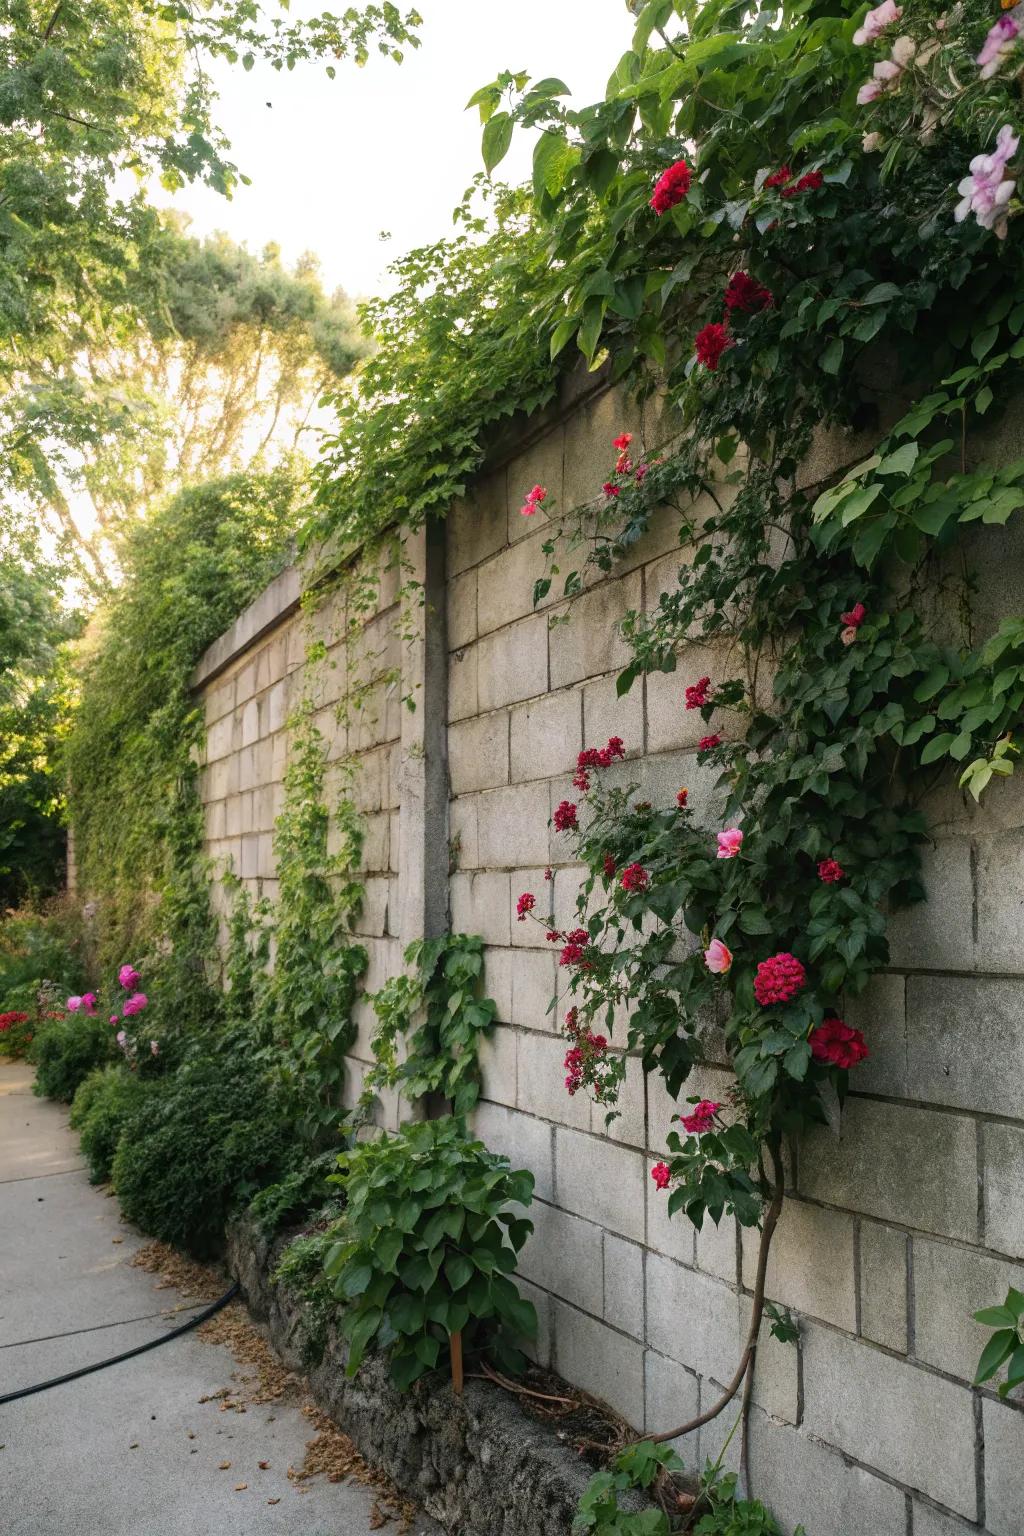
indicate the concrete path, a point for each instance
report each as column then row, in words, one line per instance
column 131, row 1450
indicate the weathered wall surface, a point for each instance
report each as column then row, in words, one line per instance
column 894, row 1232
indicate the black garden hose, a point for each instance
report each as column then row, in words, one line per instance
column 128, row 1354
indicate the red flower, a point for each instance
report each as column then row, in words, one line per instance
column 710, row 343
column 623, row 464
column 778, row 979
column 810, row 182
column 609, row 867
column 856, row 616
column 610, row 489
column 553, row 936
column 533, row 500
column 746, row 293
column 788, row 192
column 831, row 872
column 838, row 1044
column 634, row 878
column 7, row 1019
column 779, row 178
column 671, row 187
column 616, row 746
column 575, row 947
column 623, row 441
column 581, row 780
column 565, row 817
column 701, row 1119
column 661, row 1173
column 708, row 743
column 697, row 693
column 526, row 903
column 549, row 873
column 682, row 796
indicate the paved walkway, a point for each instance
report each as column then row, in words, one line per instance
column 132, row 1450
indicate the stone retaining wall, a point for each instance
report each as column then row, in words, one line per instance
column 894, row 1232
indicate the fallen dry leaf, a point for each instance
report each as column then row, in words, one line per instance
column 223, row 1467
column 377, row 1517
column 264, row 1466
column 241, row 1487
column 273, row 1501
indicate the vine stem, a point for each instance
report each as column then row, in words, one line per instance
column 746, row 1364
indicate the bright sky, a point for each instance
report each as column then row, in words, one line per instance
column 390, row 147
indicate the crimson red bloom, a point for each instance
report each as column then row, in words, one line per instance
column 526, row 903
column 553, row 936
column 745, row 293
column 788, row 192
column 856, row 616
column 623, row 441
column 831, row 872
column 610, row 489
column 778, row 979
column 634, row 878
column 810, row 182
column 710, row 343
column 671, row 187
column 549, row 873
column 682, row 796
column 701, row 1119
column 565, row 816
column 661, row 1173
column 780, row 177
column 697, row 693
column 7, row 1019
column 838, row 1044
column 609, row 866
column 708, row 743
column 575, row 947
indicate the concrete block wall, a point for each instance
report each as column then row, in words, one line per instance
column 894, row 1231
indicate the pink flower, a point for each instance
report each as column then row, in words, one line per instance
column 997, row 45
column 533, row 500
column 838, row 1044
column 74, row 1003
column 876, row 21
column 661, row 1173
column 869, row 92
column 623, row 441
column 778, row 979
column 702, row 1119
column 856, row 616
column 89, row 1003
column 526, row 903
column 122, row 1039
column 849, row 635
column 610, row 489
column 718, row 957
column 135, row 1004
column 634, row 878
column 115, row 1018
column 709, row 743
column 986, row 191
column 698, row 693
column 885, row 73
column 129, row 977
column 729, row 843
column 830, row 872
column 671, row 187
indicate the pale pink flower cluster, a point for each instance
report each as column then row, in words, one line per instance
column 998, row 45
column 987, row 190
column 718, row 957
column 876, row 21
column 729, row 843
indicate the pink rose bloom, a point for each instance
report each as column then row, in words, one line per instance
column 115, row 1018
column 129, row 977
column 729, row 843
column 718, row 957
column 869, row 92
column 533, row 500
column 876, row 21
column 849, row 634
column 89, row 1003
column 987, row 190
column 997, row 45
column 74, row 1003
column 135, row 1004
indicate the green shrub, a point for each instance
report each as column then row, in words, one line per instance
column 301, row 1192
column 425, row 1247
column 214, row 1132
column 66, row 1049
column 100, row 1110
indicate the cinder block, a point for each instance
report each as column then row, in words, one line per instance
column 524, row 1140
column 1003, row 1155
column 530, row 933
column 629, row 1124
column 505, row 585
column 589, row 456
column 718, row 1248
column 461, row 610
column 671, row 1397
column 512, row 664
column 601, row 1361
column 249, row 862
column 219, row 738
column 512, row 827
column 692, row 1318
column 810, row 1263
column 546, row 736
column 497, row 1056
column 538, row 1349
column 804, row 1483
column 672, row 1236
column 966, row 1041
column 606, row 714
column 1000, row 915
column 776, row 1368
column 533, row 987
column 1004, row 1467
column 478, row 753
column 624, row 1285
column 250, row 723
column 663, row 1111
column 881, row 1013
column 883, row 1285
column 542, row 1089
column 541, row 464
column 936, row 934
column 908, row 1422
column 480, row 904
column 564, row 1256
column 600, row 1180
column 950, row 1285
column 498, row 981
column 463, row 844
column 866, row 1168
column 477, row 525
column 590, row 642
column 670, row 725
column 463, row 668
column 928, row 1521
